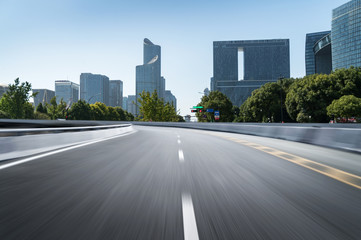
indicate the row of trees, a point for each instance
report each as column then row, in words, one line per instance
column 314, row 98
column 15, row 104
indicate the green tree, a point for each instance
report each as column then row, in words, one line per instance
column 218, row 102
column 80, row 111
column 53, row 108
column 28, row 111
column 41, row 108
column 266, row 104
column 113, row 114
column 347, row 106
column 14, row 101
column 311, row 95
column 96, row 112
column 129, row 116
column 153, row 108
column 122, row 113
column 4, row 115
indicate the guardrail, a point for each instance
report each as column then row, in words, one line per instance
column 15, row 143
column 339, row 136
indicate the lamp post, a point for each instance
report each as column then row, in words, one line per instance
column 93, row 96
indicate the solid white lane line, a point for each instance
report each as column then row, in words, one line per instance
column 181, row 155
column 59, row 151
column 179, row 141
column 189, row 218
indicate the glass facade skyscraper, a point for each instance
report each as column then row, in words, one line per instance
column 324, row 60
column 94, row 88
column 43, row 96
column 66, row 90
column 115, row 93
column 346, row 35
column 132, row 107
column 3, row 89
column 170, row 98
column 148, row 75
column 263, row 61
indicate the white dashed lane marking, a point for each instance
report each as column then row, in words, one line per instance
column 189, row 218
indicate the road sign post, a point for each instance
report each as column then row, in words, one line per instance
column 216, row 115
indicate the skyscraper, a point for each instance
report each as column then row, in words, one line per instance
column 263, row 61
column 132, row 104
column 43, row 96
column 170, row 98
column 3, row 89
column 94, row 88
column 148, row 75
column 346, row 35
column 125, row 103
column 115, row 93
column 66, row 90
column 318, row 53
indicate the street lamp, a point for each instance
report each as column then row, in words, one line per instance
column 93, row 96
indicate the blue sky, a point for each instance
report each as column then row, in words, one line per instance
column 42, row 41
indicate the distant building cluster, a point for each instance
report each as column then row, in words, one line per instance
column 99, row 88
column 93, row 88
column 340, row 47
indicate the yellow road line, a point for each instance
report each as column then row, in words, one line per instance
column 339, row 175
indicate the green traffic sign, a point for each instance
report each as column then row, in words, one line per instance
column 197, row 107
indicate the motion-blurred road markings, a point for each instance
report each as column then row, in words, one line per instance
column 179, row 141
column 181, row 155
column 189, row 218
column 82, row 144
column 339, row 175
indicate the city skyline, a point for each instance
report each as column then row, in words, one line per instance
column 60, row 40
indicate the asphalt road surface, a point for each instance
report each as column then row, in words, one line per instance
column 168, row 183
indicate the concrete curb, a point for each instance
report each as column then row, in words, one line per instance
column 346, row 137
column 16, row 143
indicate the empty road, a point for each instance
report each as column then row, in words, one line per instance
column 169, row 183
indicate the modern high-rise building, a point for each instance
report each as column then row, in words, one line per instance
column 148, row 75
column 170, row 98
column 346, row 35
column 318, row 53
column 132, row 107
column 115, row 93
column 125, row 103
column 66, row 90
column 3, row 89
column 263, row 61
column 43, row 96
column 94, row 88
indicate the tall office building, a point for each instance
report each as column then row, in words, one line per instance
column 132, row 107
column 170, row 98
column 148, row 75
column 115, row 93
column 263, row 61
column 43, row 96
column 125, row 103
column 3, row 89
column 346, row 35
column 66, row 90
column 318, row 53
column 94, row 88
